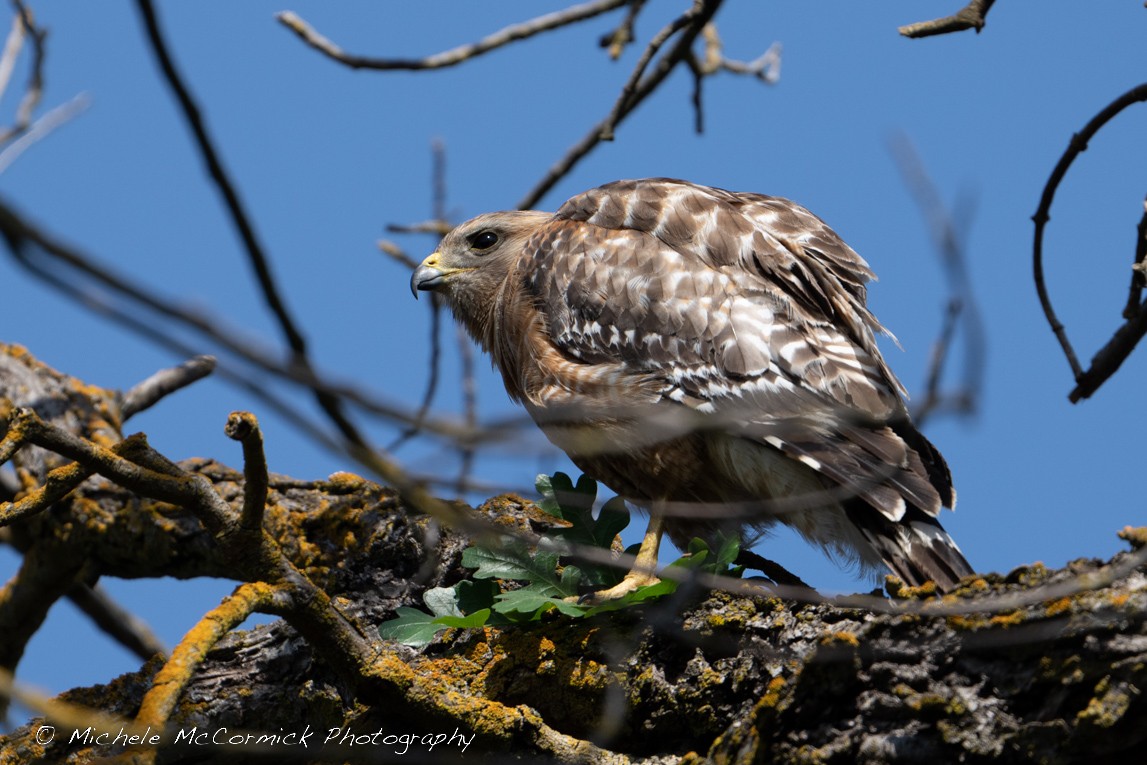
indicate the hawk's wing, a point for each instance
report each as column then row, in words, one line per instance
column 746, row 308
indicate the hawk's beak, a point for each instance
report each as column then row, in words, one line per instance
column 429, row 275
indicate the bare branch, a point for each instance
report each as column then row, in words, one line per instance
column 971, row 16
column 395, row 252
column 163, row 383
column 616, row 41
column 255, row 254
column 436, row 226
column 124, row 627
column 27, row 242
column 948, row 241
column 13, row 44
column 469, row 402
column 38, row 130
column 697, row 17
column 624, row 100
column 440, row 226
column 34, row 90
column 62, row 713
column 1110, row 357
column 1138, row 267
column 766, row 68
column 457, row 55
column 1108, row 360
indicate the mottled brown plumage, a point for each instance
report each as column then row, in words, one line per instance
column 709, row 356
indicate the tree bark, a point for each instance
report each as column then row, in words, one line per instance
column 697, row 677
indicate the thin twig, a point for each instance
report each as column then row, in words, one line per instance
column 34, row 90
column 699, row 15
column 330, row 404
column 124, row 627
column 148, row 330
column 1110, row 357
column 1138, row 268
column 26, row 241
column 948, row 241
column 971, row 16
column 1115, row 353
column 441, row 228
column 437, row 226
column 622, row 36
column 244, row 428
column 58, row 483
column 432, row 380
column 453, row 57
column 13, row 44
column 63, row 713
column 469, row 402
column 624, row 100
column 163, row 383
column 766, row 68
column 38, row 130
column 392, row 250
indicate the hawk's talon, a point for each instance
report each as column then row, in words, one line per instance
column 632, row 582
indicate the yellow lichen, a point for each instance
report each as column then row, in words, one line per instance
column 345, row 482
column 840, row 637
column 896, row 588
column 1136, row 536
column 967, row 622
column 773, row 693
column 925, row 702
column 903, row 690
column 1107, row 707
column 1009, row 619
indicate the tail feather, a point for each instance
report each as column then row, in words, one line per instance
column 916, row 548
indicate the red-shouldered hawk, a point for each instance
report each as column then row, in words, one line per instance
column 708, row 355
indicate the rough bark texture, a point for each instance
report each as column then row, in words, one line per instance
column 718, row 678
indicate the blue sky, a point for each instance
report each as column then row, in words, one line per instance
column 326, row 157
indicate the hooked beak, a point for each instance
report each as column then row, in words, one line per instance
column 428, row 276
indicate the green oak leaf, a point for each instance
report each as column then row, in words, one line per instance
column 476, row 619
column 412, row 627
column 442, row 601
column 512, row 562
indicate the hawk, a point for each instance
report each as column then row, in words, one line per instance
column 709, row 356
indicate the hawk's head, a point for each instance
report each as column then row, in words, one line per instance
column 473, row 260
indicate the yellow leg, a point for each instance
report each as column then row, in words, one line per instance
column 642, row 572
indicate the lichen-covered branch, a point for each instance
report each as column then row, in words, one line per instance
column 1035, row 665
column 732, row 679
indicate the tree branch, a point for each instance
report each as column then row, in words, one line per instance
column 255, row 254
column 695, row 20
column 453, row 57
column 1123, row 342
column 971, row 16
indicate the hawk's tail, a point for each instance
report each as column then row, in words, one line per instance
column 916, row 548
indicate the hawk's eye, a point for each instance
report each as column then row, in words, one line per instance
column 483, row 240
